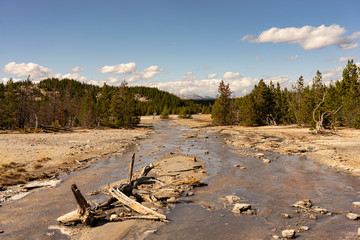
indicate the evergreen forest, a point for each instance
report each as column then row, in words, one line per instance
column 69, row 103
column 317, row 105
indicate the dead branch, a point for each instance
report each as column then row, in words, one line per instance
column 121, row 197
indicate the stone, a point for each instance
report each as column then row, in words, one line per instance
column 285, row 215
column 241, row 207
column 321, row 211
column 356, row 204
column 352, row 216
column 173, row 200
column 113, row 217
column 231, row 199
column 206, row 152
column 276, row 237
column 359, row 232
column 260, row 155
column 306, row 203
column 288, row 233
column 265, row 160
column 236, row 165
column 304, row 228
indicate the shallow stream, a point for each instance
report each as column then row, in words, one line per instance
column 270, row 189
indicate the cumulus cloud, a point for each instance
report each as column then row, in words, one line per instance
column 212, row 75
column 308, row 37
column 151, row 72
column 293, row 58
column 35, row 71
column 75, row 76
column 231, row 75
column 205, row 87
column 277, row 79
column 334, row 72
column 76, row 69
column 122, row 68
column 130, row 69
column 345, row 59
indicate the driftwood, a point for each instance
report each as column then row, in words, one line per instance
column 134, row 205
column 121, row 204
column 83, row 214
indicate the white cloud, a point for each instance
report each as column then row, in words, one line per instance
column 113, row 80
column 151, row 72
column 334, row 72
column 205, row 87
column 277, row 79
column 35, row 71
column 293, row 58
column 308, row 37
column 189, row 73
column 357, row 64
column 123, row 68
column 231, row 75
column 345, row 59
column 74, row 76
column 212, row 75
column 76, row 69
column 130, row 68
column 5, row 80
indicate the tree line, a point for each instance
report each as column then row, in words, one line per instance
column 318, row 104
column 69, row 103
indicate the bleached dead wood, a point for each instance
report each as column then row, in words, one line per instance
column 83, row 214
column 121, row 197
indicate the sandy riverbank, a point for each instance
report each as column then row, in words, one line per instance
column 340, row 150
column 26, row 157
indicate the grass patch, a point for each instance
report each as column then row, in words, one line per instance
column 37, row 166
column 20, row 169
column 43, row 159
column 9, row 165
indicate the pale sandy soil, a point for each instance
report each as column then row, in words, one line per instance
column 25, row 157
column 340, row 150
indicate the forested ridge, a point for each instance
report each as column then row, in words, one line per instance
column 69, row 103
column 317, row 105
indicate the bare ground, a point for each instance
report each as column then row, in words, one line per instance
column 340, row 150
column 25, row 157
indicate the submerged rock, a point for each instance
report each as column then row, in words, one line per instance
column 231, row 199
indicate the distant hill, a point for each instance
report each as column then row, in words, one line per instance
column 192, row 97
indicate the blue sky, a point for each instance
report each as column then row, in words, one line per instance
column 182, row 46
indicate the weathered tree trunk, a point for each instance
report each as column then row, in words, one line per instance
column 134, row 205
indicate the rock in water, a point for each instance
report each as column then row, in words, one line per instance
column 306, row 203
column 231, row 199
column 265, row 160
column 241, row 207
column 288, row 233
column 352, row 216
column 356, row 204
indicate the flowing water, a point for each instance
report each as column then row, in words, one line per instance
column 269, row 188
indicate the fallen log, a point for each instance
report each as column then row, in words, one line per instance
column 121, row 197
column 82, row 215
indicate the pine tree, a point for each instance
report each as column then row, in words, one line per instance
column 221, row 112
